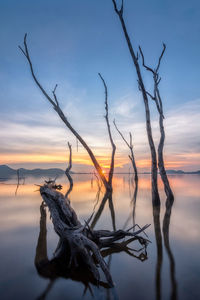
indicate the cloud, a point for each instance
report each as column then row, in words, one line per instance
column 43, row 133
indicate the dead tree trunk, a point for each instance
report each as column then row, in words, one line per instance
column 158, row 101
column 130, row 146
column 54, row 102
column 112, row 163
column 155, row 194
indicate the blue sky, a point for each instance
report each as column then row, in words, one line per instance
column 70, row 42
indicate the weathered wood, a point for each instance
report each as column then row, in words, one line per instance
column 84, row 242
column 156, row 97
column 134, row 56
column 112, row 163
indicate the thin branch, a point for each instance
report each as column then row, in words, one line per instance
column 63, row 117
column 122, row 8
column 130, row 146
column 110, row 176
column 54, row 94
column 115, row 6
column 160, row 58
column 26, row 53
column 143, row 62
column 121, row 134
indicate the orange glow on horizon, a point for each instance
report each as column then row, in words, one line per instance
column 172, row 162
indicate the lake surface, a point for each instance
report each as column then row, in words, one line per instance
column 171, row 269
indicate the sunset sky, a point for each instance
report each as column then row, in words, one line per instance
column 70, row 42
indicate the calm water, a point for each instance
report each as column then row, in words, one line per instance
column 172, row 267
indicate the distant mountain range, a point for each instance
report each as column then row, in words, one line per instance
column 7, row 172
column 181, row 172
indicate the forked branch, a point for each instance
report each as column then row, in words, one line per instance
column 54, row 102
column 130, row 146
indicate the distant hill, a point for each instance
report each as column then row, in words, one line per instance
column 181, row 172
column 7, row 172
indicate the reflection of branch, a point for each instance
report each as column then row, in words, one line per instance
column 17, row 182
column 47, row 290
column 156, row 219
column 166, row 223
column 67, row 172
column 132, row 202
column 41, row 249
column 100, row 210
column 107, row 196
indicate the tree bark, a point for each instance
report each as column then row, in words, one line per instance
column 82, row 240
column 155, row 194
column 158, row 101
column 112, row 163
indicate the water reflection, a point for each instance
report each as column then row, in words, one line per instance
column 177, row 256
column 61, row 264
column 158, row 236
column 166, row 223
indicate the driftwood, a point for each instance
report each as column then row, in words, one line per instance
column 82, row 243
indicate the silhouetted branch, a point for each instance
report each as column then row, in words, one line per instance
column 67, row 172
column 57, row 108
column 130, row 146
column 158, row 101
column 134, row 56
column 111, row 171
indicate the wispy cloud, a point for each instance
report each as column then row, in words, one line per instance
column 43, row 137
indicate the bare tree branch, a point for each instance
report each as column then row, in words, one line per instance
column 159, row 61
column 143, row 62
column 130, row 146
column 26, row 53
column 57, row 108
column 158, row 101
column 155, row 194
column 54, row 94
column 111, row 171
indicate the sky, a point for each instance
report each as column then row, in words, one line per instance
column 70, row 41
